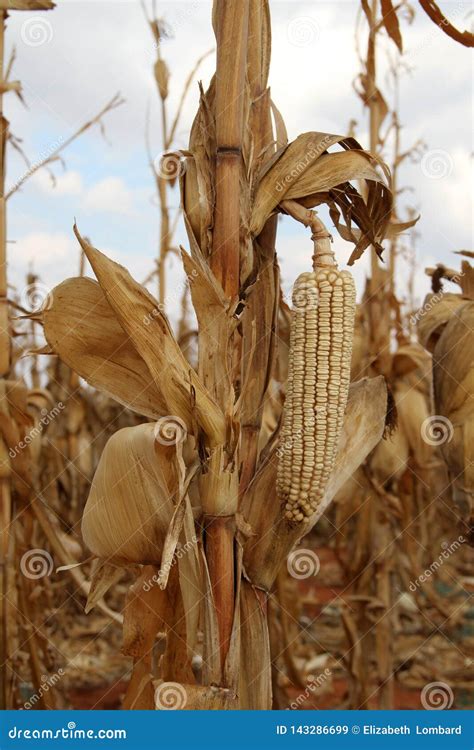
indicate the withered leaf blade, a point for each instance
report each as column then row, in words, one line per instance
column 391, row 23
column 140, row 316
column 81, row 328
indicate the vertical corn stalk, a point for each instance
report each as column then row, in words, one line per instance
column 6, row 539
column 375, row 638
column 5, row 499
column 231, row 29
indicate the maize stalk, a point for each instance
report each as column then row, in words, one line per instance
column 322, row 330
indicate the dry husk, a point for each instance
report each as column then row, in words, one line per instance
column 453, row 383
column 390, row 458
column 436, row 311
column 130, row 505
column 81, row 328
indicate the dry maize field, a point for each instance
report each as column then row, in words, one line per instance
column 237, row 356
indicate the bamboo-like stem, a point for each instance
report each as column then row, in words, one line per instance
column 5, row 353
column 5, row 359
column 232, row 37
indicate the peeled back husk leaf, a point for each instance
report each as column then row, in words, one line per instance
column 142, row 318
column 82, row 329
column 130, row 504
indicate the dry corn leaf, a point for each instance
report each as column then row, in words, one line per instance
column 255, row 686
column 81, row 328
column 304, row 170
column 105, row 576
column 141, row 317
column 390, row 21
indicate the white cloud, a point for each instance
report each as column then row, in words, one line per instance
column 51, row 255
column 111, row 195
column 69, row 183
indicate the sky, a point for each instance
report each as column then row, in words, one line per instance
column 73, row 59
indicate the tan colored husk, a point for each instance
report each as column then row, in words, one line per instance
column 453, row 384
column 433, row 315
column 131, row 502
column 390, row 458
column 82, row 329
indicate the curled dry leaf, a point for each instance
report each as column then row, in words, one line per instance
column 307, row 172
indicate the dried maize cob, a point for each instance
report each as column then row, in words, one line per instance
column 321, row 336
